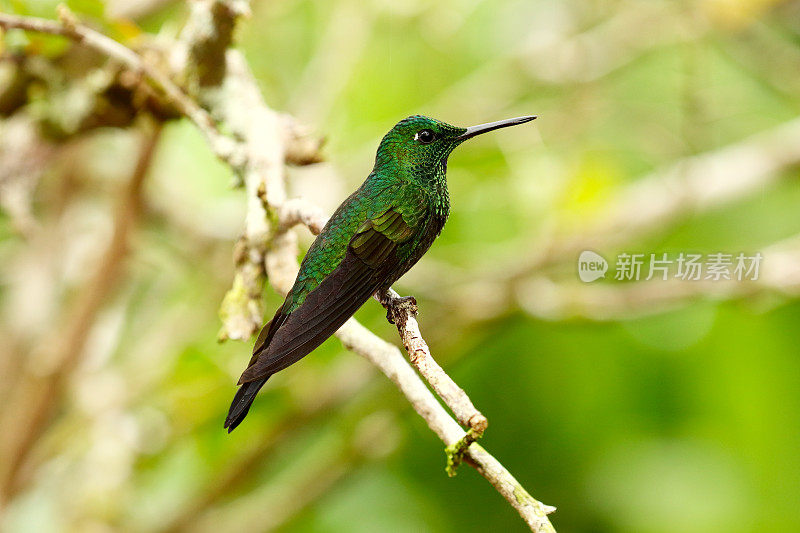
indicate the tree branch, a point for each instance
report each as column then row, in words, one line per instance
column 69, row 26
column 388, row 359
column 268, row 139
column 280, row 260
column 326, row 397
column 268, row 246
column 694, row 184
column 402, row 312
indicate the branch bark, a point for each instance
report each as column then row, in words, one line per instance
column 268, row 247
column 402, row 312
column 390, row 361
column 265, row 183
column 68, row 26
column 268, row 140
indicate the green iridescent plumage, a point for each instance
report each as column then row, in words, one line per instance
column 377, row 234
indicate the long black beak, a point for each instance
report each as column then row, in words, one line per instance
column 472, row 131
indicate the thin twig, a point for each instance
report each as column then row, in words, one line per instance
column 299, row 211
column 70, row 27
column 404, row 315
column 261, row 165
column 391, row 362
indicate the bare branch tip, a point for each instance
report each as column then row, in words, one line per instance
column 67, row 18
column 478, row 423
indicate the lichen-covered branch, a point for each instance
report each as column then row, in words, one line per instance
column 70, row 27
column 299, row 211
column 532, row 511
column 23, row 157
column 265, row 183
column 226, row 86
column 391, row 362
column 265, row 141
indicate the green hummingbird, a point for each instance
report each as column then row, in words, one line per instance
column 376, row 235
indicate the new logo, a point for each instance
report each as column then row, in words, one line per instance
column 591, row 266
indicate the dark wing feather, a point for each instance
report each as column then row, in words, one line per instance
column 368, row 263
column 267, row 332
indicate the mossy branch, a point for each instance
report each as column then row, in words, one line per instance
column 261, row 142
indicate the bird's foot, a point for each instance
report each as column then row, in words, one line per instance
column 455, row 452
column 396, row 304
column 402, row 304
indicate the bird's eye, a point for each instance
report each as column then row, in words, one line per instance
column 425, row 136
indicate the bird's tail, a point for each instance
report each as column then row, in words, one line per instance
column 242, row 402
column 247, row 391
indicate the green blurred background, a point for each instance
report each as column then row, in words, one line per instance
column 632, row 407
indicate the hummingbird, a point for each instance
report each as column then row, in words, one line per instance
column 374, row 237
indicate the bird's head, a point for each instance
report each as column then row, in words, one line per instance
column 420, row 145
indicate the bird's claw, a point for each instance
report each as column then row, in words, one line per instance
column 396, row 304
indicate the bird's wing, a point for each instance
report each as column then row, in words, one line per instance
column 367, row 265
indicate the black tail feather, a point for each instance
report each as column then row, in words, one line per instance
column 242, row 402
column 247, row 391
